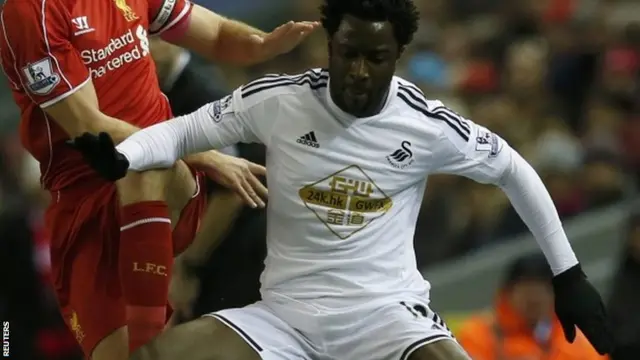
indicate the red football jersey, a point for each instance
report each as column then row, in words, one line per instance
column 51, row 48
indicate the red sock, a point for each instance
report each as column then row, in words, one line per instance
column 145, row 261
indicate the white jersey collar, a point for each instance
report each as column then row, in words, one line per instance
column 347, row 119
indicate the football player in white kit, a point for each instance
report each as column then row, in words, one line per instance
column 349, row 149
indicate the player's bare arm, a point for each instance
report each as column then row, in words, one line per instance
column 161, row 145
column 221, row 39
column 80, row 113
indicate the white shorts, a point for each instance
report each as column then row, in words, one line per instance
column 382, row 329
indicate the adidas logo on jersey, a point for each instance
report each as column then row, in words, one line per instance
column 309, row 139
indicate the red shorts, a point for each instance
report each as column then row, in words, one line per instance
column 84, row 226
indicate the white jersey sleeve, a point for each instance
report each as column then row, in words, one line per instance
column 470, row 150
column 216, row 125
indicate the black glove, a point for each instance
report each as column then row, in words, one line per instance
column 578, row 304
column 101, row 154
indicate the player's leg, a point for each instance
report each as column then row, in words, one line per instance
column 400, row 328
column 113, row 347
column 440, row 350
column 148, row 200
column 250, row 333
column 205, row 338
column 84, row 249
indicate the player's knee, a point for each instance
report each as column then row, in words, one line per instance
column 205, row 338
column 113, row 347
column 440, row 350
column 144, row 353
column 227, row 344
column 181, row 186
column 143, row 186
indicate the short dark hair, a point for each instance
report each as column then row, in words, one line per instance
column 402, row 14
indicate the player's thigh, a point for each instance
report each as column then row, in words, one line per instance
column 114, row 347
column 266, row 333
column 143, row 186
column 182, row 186
column 397, row 329
column 205, row 338
column 84, row 249
column 440, row 350
column 175, row 185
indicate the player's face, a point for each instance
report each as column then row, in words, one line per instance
column 362, row 61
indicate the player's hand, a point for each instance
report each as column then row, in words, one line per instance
column 282, row 39
column 184, row 287
column 578, row 304
column 101, row 154
column 234, row 173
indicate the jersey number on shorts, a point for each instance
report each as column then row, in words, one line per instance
column 421, row 311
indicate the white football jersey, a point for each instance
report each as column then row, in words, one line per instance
column 345, row 192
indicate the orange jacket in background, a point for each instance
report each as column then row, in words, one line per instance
column 502, row 335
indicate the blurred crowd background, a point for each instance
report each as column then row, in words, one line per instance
column 558, row 79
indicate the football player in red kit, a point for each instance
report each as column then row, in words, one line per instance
column 80, row 66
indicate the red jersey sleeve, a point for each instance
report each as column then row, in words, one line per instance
column 36, row 53
column 167, row 14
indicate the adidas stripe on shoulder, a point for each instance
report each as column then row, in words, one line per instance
column 314, row 79
column 415, row 99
